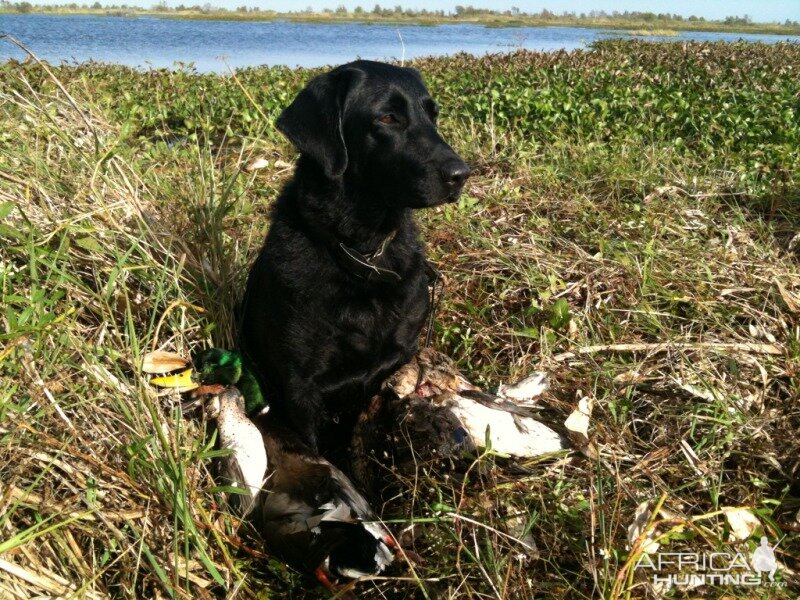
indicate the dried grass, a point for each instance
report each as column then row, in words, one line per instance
column 684, row 330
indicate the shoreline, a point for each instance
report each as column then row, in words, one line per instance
column 641, row 27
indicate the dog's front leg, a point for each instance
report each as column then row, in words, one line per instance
column 304, row 409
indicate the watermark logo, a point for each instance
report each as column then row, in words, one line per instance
column 693, row 569
column 763, row 559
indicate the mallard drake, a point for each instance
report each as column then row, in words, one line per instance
column 307, row 510
column 428, row 409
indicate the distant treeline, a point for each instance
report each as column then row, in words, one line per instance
column 398, row 12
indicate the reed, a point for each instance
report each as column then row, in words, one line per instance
column 630, row 227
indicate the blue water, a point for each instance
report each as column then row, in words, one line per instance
column 217, row 45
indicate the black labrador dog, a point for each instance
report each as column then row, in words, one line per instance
column 337, row 298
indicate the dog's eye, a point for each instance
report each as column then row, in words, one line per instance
column 388, row 119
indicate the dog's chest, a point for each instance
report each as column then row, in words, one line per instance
column 374, row 326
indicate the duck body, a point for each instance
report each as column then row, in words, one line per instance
column 504, row 422
column 306, row 510
column 507, row 432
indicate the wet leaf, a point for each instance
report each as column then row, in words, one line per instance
column 90, row 244
column 577, row 423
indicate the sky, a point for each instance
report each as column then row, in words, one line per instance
column 759, row 10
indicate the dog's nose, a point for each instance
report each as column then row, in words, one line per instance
column 455, row 173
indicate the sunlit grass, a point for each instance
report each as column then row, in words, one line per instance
column 128, row 219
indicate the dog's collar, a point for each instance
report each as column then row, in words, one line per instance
column 363, row 265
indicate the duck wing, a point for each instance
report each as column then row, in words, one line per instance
column 508, row 432
column 497, row 403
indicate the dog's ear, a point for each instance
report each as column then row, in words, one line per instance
column 313, row 121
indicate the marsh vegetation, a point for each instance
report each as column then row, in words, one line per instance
column 631, row 227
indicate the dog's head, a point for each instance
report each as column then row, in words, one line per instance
column 374, row 125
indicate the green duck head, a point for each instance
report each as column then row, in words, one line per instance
column 217, row 366
column 226, row 367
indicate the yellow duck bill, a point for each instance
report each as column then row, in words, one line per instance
column 182, row 381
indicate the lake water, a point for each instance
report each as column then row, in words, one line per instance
column 217, row 45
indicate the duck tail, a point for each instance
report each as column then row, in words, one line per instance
column 357, row 549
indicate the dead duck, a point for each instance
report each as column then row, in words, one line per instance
column 506, row 420
column 429, row 410
column 306, row 510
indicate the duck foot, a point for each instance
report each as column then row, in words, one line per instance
column 401, row 553
column 324, row 578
